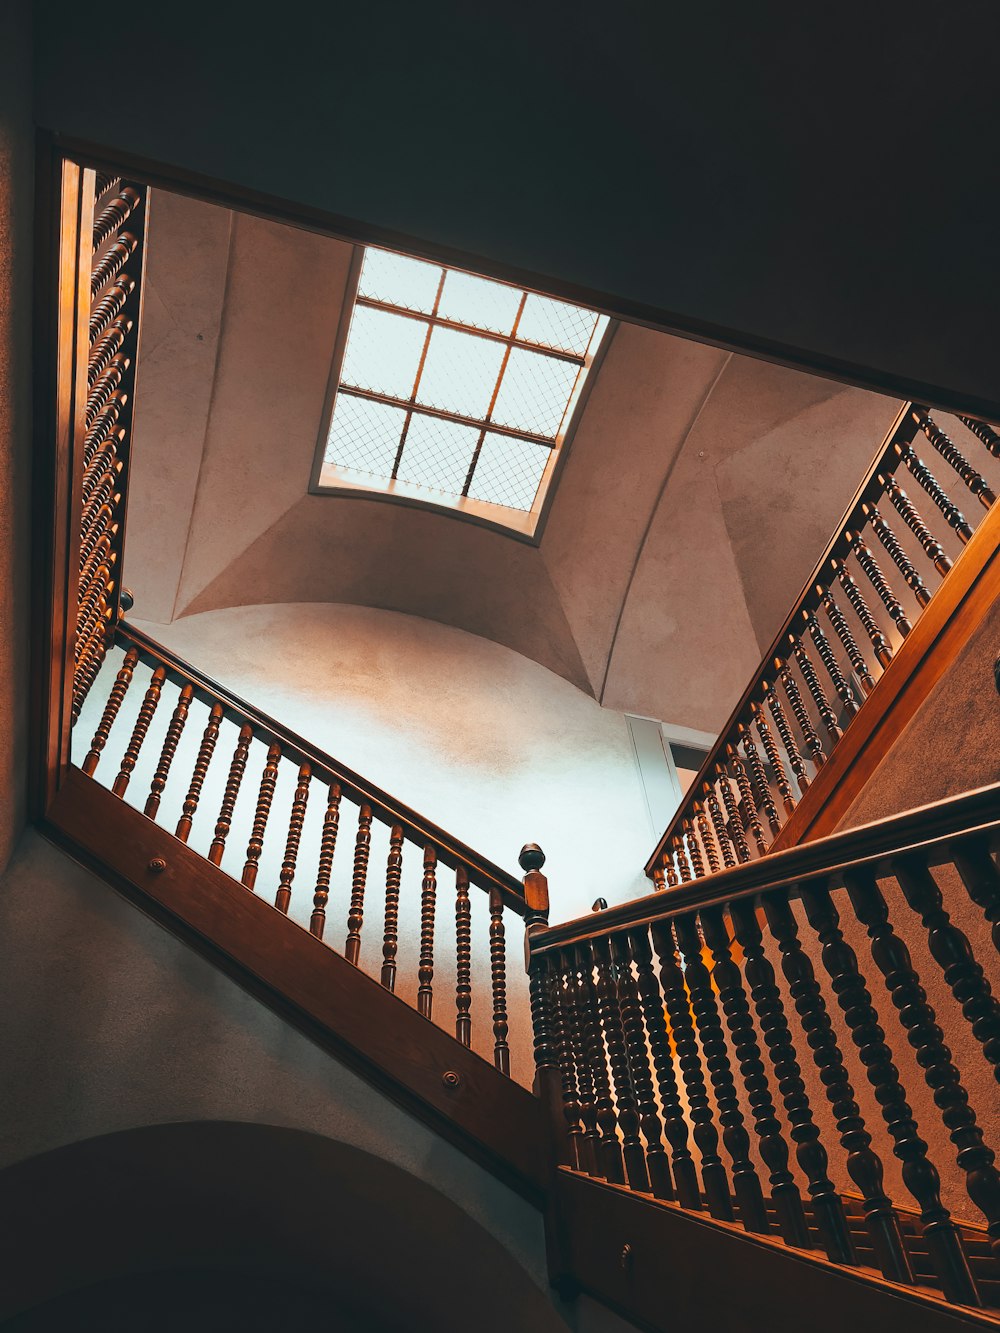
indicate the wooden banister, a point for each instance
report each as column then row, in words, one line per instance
column 864, row 623
column 737, row 960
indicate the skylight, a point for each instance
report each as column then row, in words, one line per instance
column 456, row 389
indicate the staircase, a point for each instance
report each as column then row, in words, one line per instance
column 695, row 1147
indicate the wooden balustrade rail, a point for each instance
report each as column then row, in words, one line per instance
column 720, row 988
column 177, row 796
column 884, row 565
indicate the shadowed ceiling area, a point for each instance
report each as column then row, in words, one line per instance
column 697, row 494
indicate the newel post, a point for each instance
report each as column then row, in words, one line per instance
column 544, row 979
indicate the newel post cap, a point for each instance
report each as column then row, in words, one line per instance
column 536, row 885
column 531, row 857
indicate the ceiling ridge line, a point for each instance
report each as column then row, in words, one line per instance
column 695, row 417
column 233, row 215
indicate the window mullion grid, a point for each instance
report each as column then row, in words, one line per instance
column 420, row 370
column 493, row 399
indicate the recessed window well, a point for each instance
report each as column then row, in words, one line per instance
column 454, row 390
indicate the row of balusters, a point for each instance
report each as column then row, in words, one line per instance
column 118, row 238
column 613, row 1014
column 808, row 692
column 336, row 797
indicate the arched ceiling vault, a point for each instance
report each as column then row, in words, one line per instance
column 698, row 492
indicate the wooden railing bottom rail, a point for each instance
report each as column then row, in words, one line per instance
column 412, row 1061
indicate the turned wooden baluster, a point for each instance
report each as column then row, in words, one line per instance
column 810, row 1153
column 205, row 752
column 773, row 1148
column 428, row 898
column 327, row 847
column 863, row 1164
column 170, row 741
column 118, row 691
column 829, row 660
column 356, row 912
column 774, row 757
column 575, row 997
column 463, row 957
column 911, row 516
column 89, row 666
column 105, row 388
column 149, row 704
column 952, row 951
column 110, row 306
column 872, row 571
column 609, row 1150
column 640, row 1072
column 390, row 934
column 920, row 1175
column 692, row 849
column 675, row 1123
column 112, row 261
column 854, row 654
column 826, row 714
column 892, row 958
column 751, row 821
column 299, row 802
column 900, row 559
column 714, row 1176
column 100, row 433
column 552, row 978
column 498, row 974
column 983, row 432
column 735, row 821
column 114, row 215
column 781, row 721
column 746, row 1183
column 233, row 783
column 719, row 825
column 761, row 788
column 669, row 871
column 707, row 839
column 925, row 477
column 610, row 1018
column 878, row 641
column 981, row 879
column 265, row 796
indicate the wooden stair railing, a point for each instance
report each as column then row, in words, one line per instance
column 673, row 1031
column 876, row 605
column 214, row 734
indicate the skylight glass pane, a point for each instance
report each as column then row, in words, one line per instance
column 437, row 454
column 364, row 435
column 535, row 392
column 556, row 324
column 398, row 280
column 509, row 472
column 460, row 372
column 471, row 300
column 383, row 352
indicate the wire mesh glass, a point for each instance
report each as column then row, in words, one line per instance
column 364, row 435
column 509, row 471
column 383, row 352
column 460, row 373
column 479, row 302
column 437, row 454
column 556, row 324
column 535, row 392
column 399, row 280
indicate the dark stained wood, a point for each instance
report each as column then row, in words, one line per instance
column 715, row 1179
column 327, row 848
column 390, row 935
column 175, row 729
column 463, row 958
column 884, row 532
column 299, row 803
column 488, row 1116
column 232, row 790
column 610, row 1018
column 205, row 752
column 609, row 1152
column 111, row 709
column 265, row 796
column 498, row 977
column 615, row 1243
column 356, row 915
column 428, row 902
column 146, row 712
column 550, row 1013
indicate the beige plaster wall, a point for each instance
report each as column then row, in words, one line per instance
column 698, row 492
column 16, row 150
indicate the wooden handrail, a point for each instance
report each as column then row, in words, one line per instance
column 740, row 802
column 679, row 1025
column 927, row 829
column 481, row 871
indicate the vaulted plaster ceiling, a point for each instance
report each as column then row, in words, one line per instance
column 698, row 493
